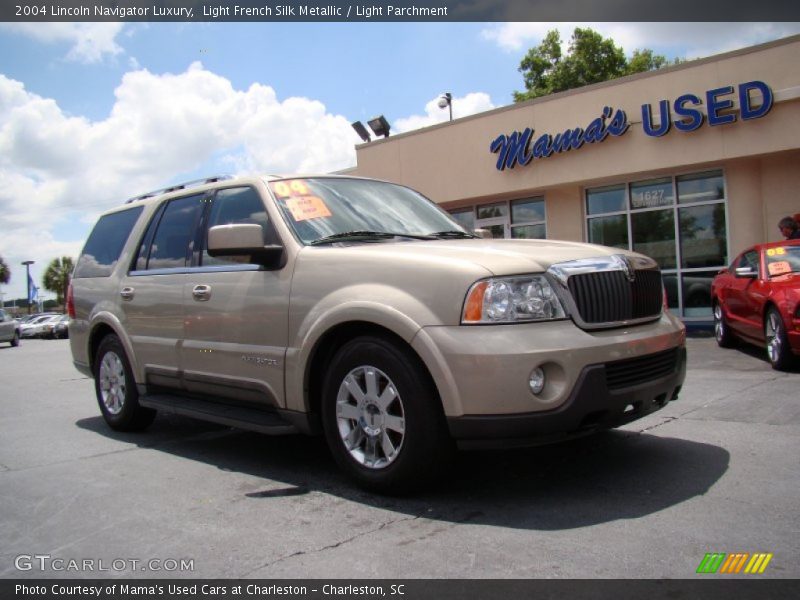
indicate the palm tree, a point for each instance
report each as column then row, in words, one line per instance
column 5, row 272
column 56, row 277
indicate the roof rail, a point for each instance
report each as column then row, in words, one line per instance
column 179, row 186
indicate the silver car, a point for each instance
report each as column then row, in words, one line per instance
column 9, row 329
column 359, row 309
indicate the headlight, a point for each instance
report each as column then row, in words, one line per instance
column 511, row 300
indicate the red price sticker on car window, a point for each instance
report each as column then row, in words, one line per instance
column 779, row 268
column 307, row 207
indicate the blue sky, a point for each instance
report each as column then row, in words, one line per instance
column 93, row 113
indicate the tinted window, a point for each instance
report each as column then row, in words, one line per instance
column 174, row 238
column 605, row 200
column 465, row 218
column 237, row 205
column 105, row 243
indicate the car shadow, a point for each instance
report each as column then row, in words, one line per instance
column 602, row 478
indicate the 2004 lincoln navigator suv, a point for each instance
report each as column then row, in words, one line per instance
column 359, row 309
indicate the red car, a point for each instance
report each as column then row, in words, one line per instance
column 757, row 299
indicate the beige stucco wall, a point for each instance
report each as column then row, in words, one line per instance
column 452, row 164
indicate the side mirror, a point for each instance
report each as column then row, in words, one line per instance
column 483, row 233
column 244, row 239
column 746, row 272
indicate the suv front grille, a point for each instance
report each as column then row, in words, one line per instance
column 609, row 297
column 633, row 371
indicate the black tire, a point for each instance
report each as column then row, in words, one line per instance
column 722, row 333
column 777, row 342
column 15, row 340
column 116, row 390
column 399, row 410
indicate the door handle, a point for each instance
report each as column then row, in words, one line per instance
column 126, row 293
column 201, row 292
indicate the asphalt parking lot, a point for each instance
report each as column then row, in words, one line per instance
column 715, row 471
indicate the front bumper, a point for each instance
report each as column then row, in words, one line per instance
column 599, row 400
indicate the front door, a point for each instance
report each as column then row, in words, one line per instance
column 236, row 314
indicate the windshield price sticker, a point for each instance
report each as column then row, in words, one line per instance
column 779, row 268
column 304, row 208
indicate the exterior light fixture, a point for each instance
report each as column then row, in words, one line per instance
column 379, row 125
column 446, row 100
column 361, row 131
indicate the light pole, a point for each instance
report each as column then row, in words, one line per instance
column 28, row 264
column 446, row 99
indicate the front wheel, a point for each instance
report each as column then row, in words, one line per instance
column 382, row 417
column 778, row 350
column 722, row 332
column 116, row 389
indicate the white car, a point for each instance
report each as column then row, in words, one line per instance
column 34, row 327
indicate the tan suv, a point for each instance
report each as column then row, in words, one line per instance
column 360, row 309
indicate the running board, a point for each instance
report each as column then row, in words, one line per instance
column 235, row 416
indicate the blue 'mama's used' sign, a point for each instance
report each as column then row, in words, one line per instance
column 519, row 148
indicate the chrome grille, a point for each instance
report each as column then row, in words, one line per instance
column 609, row 297
column 633, row 371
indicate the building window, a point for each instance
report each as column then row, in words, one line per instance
column 518, row 219
column 465, row 218
column 528, row 219
column 679, row 221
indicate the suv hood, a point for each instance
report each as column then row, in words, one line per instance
column 498, row 256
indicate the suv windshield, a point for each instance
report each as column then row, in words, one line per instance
column 323, row 210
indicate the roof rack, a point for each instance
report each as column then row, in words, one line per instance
column 179, row 186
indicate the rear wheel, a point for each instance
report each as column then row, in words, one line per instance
column 382, row 416
column 116, row 389
column 722, row 332
column 778, row 350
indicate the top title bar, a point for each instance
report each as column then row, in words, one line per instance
column 398, row 10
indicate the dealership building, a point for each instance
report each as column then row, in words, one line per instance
column 689, row 164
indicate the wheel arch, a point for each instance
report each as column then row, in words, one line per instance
column 103, row 327
column 332, row 341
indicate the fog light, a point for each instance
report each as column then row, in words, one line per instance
column 536, row 381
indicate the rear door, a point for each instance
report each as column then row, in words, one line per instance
column 236, row 315
column 152, row 293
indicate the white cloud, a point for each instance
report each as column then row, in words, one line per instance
column 684, row 40
column 463, row 106
column 54, row 166
column 89, row 42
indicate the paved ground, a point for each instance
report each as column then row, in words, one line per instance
column 716, row 471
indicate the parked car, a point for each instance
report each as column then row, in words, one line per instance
column 359, row 309
column 757, row 300
column 32, row 328
column 9, row 328
column 54, row 327
column 61, row 328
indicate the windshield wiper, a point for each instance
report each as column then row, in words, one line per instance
column 453, row 234
column 380, row 235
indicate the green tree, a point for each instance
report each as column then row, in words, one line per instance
column 5, row 272
column 591, row 59
column 56, row 276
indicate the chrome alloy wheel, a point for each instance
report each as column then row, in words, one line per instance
column 370, row 417
column 719, row 325
column 774, row 337
column 112, row 383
